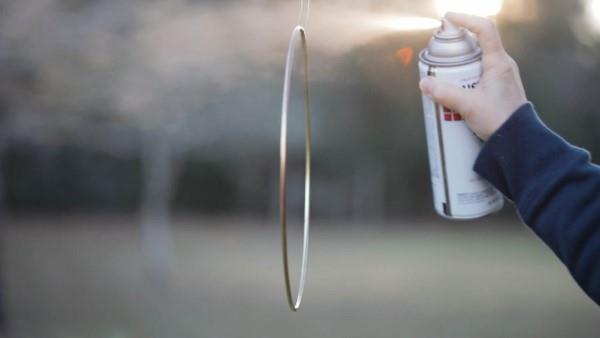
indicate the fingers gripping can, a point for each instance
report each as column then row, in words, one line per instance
column 454, row 55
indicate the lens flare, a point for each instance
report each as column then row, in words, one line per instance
column 405, row 55
column 476, row 7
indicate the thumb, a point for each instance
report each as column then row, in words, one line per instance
column 446, row 94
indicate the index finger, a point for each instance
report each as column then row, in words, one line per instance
column 485, row 29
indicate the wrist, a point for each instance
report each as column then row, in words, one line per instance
column 500, row 117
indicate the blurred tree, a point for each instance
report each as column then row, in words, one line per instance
column 147, row 82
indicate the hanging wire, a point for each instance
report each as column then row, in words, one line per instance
column 304, row 13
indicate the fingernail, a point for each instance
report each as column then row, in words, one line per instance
column 426, row 85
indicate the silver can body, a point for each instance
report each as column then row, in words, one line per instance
column 458, row 192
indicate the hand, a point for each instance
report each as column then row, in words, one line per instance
column 500, row 92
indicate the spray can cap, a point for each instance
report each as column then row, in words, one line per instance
column 451, row 46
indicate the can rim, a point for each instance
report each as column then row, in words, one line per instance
column 449, row 62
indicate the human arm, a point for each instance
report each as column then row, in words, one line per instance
column 555, row 188
column 554, row 185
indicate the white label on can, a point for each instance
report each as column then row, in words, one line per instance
column 453, row 149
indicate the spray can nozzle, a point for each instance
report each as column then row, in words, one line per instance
column 451, row 45
column 449, row 29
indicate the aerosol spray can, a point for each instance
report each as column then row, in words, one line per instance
column 454, row 55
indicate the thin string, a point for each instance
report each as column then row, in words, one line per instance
column 304, row 13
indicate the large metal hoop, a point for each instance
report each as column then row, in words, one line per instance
column 298, row 35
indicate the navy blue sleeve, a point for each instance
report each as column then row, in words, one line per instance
column 555, row 187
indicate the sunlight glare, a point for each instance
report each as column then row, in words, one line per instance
column 410, row 23
column 476, row 7
column 592, row 9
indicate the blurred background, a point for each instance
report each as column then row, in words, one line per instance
column 139, row 172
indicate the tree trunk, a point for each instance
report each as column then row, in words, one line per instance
column 3, row 316
column 160, row 167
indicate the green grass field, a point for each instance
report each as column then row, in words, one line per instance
column 76, row 277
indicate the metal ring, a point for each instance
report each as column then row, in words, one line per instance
column 297, row 34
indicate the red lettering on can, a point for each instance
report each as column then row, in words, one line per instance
column 450, row 115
